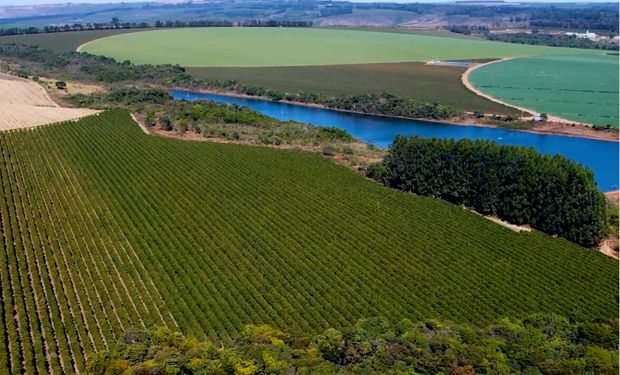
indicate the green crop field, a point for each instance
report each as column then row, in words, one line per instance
column 434, row 83
column 575, row 87
column 106, row 228
column 62, row 42
column 241, row 46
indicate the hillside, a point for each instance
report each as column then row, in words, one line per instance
column 106, row 228
column 24, row 103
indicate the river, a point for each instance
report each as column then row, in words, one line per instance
column 599, row 155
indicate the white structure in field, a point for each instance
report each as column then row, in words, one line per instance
column 586, row 35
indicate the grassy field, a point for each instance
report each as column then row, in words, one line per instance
column 62, row 42
column 70, row 41
column 579, row 88
column 432, row 83
column 298, row 46
column 106, row 228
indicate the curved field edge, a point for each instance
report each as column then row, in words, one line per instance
column 106, row 228
column 64, row 41
column 433, row 83
column 290, row 47
column 576, row 88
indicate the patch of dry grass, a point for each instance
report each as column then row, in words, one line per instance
column 25, row 104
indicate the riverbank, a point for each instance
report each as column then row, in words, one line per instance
column 355, row 154
column 550, row 127
column 599, row 155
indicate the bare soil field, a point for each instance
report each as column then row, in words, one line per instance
column 25, row 104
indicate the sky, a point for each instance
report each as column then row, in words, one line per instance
column 30, row 2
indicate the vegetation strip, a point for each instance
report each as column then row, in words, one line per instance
column 537, row 343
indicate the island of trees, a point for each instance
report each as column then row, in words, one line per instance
column 551, row 193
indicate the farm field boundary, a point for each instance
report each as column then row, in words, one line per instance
column 530, row 112
column 577, row 89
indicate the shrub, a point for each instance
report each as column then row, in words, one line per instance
column 149, row 120
column 348, row 150
column 165, row 122
column 375, row 171
column 329, row 150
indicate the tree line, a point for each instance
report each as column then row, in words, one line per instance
column 551, row 193
column 538, row 38
column 40, row 61
column 592, row 18
column 537, row 344
column 376, row 103
column 535, row 38
column 116, row 24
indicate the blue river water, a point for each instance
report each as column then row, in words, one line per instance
column 599, row 155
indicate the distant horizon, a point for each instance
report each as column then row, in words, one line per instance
column 55, row 2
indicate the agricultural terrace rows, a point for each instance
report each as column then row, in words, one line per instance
column 106, row 228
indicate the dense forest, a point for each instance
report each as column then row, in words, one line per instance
column 538, row 344
column 581, row 18
column 551, row 193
